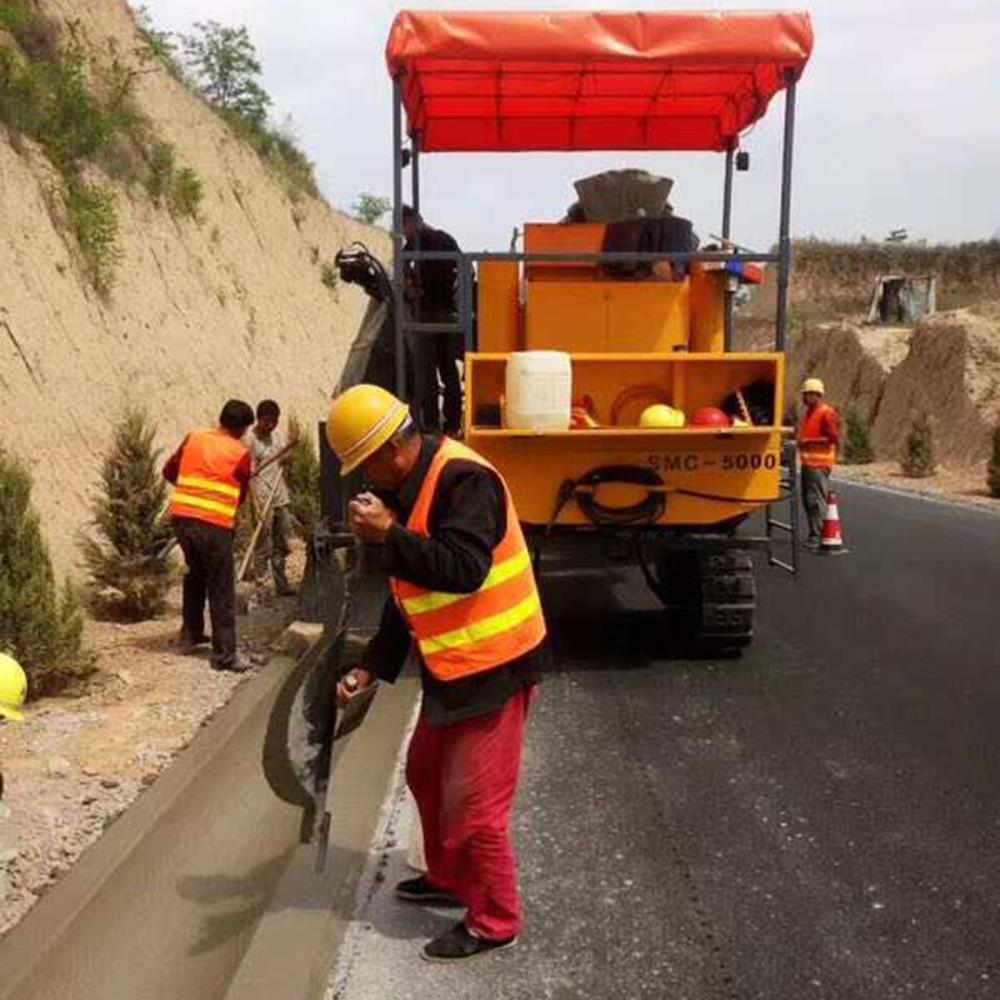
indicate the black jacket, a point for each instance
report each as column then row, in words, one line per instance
column 467, row 519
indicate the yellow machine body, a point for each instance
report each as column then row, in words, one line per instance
column 659, row 338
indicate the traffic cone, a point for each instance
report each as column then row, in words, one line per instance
column 832, row 541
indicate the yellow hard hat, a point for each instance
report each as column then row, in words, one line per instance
column 13, row 688
column 661, row 415
column 814, row 385
column 361, row 420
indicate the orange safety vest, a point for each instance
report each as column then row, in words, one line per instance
column 459, row 635
column 207, row 488
column 815, row 453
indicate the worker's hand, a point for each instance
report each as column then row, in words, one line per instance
column 369, row 518
column 351, row 683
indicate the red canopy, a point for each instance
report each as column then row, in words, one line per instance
column 591, row 80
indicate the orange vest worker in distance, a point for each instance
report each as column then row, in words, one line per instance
column 818, row 438
column 464, row 595
column 210, row 473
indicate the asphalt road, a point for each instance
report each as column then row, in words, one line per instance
column 819, row 818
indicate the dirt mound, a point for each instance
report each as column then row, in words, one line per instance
column 231, row 304
column 854, row 362
column 952, row 371
column 948, row 365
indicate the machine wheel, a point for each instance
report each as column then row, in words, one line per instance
column 710, row 597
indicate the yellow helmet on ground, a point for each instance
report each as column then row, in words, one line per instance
column 13, row 688
column 814, row 385
column 661, row 415
column 361, row 420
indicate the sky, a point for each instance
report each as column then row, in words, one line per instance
column 898, row 122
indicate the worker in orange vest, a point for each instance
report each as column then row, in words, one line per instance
column 464, row 596
column 818, row 438
column 210, row 473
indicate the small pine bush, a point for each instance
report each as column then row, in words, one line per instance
column 857, row 441
column 130, row 553
column 302, row 476
column 993, row 469
column 918, row 458
column 40, row 623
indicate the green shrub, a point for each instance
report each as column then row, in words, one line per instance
column 40, row 623
column 186, row 193
column 302, row 476
column 93, row 213
column 370, row 208
column 36, row 35
column 993, row 469
column 918, row 458
column 857, row 441
column 158, row 45
column 277, row 148
column 160, row 174
column 14, row 15
column 130, row 553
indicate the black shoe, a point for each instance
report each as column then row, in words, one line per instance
column 190, row 643
column 419, row 890
column 233, row 665
column 459, row 945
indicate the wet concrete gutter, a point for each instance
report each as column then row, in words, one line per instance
column 205, row 870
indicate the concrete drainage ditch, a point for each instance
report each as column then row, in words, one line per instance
column 201, row 891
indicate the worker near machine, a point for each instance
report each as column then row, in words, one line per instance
column 818, row 438
column 210, row 473
column 430, row 292
column 464, row 595
column 13, row 691
column 269, row 492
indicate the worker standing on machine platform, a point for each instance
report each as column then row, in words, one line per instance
column 818, row 438
column 464, row 595
column 431, row 288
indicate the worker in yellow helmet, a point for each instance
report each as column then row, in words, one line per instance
column 464, row 595
column 818, row 438
column 13, row 691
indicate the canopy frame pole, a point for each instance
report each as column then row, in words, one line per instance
column 416, row 305
column 727, row 216
column 784, row 242
column 397, row 233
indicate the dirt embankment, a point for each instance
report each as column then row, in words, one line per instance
column 229, row 304
column 948, row 365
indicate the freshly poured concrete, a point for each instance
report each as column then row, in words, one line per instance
column 167, row 904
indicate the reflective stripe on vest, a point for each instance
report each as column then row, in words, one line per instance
column 207, row 488
column 816, row 454
column 464, row 634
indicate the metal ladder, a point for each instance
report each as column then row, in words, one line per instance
column 790, row 495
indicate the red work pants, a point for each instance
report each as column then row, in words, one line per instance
column 463, row 778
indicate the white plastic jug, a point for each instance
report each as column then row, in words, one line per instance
column 539, row 390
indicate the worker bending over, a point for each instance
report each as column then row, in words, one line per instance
column 464, row 594
column 211, row 472
column 818, row 438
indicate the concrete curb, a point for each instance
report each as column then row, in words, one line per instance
column 166, row 905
